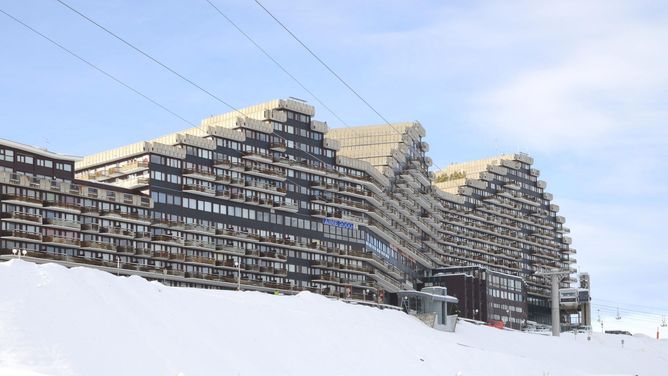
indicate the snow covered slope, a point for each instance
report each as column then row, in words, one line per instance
column 58, row 321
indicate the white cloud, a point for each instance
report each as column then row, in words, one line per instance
column 617, row 244
column 603, row 83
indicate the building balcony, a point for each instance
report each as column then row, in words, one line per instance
column 156, row 222
column 90, row 227
column 318, row 184
column 259, row 157
column 265, row 255
column 199, row 173
column 269, row 270
column 227, row 163
column 341, row 267
column 252, row 200
column 164, row 238
column 224, row 179
column 134, row 182
column 64, row 206
column 126, row 216
column 279, row 146
column 117, row 231
column 22, row 217
column 200, row 260
column 286, row 207
column 197, row 228
column 230, row 250
column 132, row 250
column 62, row 223
column 23, row 200
column 134, row 166
column 264, row 187
column 267, row 173
column 60, row 240
column 93, row 244
column 21, row 235
column 192, row 243
column 199, row 189
column 143, row 235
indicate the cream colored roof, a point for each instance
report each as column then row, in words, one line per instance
column 380, row 145
column 223, row 125
column 38, row 151
column 258, row 111
column 458, row 172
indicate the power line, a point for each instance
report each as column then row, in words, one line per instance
column 165, row 66
column 630, row 304
column 627, row 310
column 109, row 75
column 338, row 77
column 279, row 65
column 321, row 61
column 181, row 76
column 149, row 56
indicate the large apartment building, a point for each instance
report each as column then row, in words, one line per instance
column 268, row 198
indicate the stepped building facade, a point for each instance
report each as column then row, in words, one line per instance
column 268, row 198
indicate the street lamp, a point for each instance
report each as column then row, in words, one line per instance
column 365, row 291
column 475, row 313
column 510, row 318
column 19, row 252
column 238, row 265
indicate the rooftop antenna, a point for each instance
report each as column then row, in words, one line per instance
column 618, row 315
column 46, row 144
column 298, row 99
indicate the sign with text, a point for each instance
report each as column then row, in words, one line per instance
column 338, row 223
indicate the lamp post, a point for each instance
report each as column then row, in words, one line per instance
column 364, row 292
column 475, row 313
column 510, row 318
column 19, row 252
column 238, row 265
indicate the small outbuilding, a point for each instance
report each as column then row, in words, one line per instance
column 432, row 305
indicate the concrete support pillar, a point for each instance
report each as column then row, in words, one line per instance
column 556, row 325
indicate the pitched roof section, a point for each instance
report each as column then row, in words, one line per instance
column 225, row 125
column 39, row 151
column 383, row 146
column 455, row 175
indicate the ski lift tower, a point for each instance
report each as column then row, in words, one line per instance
column 555, row 276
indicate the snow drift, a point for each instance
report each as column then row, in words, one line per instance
column 81, row 321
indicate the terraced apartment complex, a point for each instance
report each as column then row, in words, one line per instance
column 267, row 198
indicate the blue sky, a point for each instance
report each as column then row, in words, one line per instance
column 579, row 85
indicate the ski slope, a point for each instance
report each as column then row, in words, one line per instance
column 81, row 321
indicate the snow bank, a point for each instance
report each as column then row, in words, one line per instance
column 58, row 321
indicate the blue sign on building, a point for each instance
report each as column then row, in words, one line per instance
column 338, row 223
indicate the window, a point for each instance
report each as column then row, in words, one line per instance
column 64, row 166
column 6, row 155
column 45, row 163
column 24, row 159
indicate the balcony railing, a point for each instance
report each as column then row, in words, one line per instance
column 22, row 216
column 21, row 234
